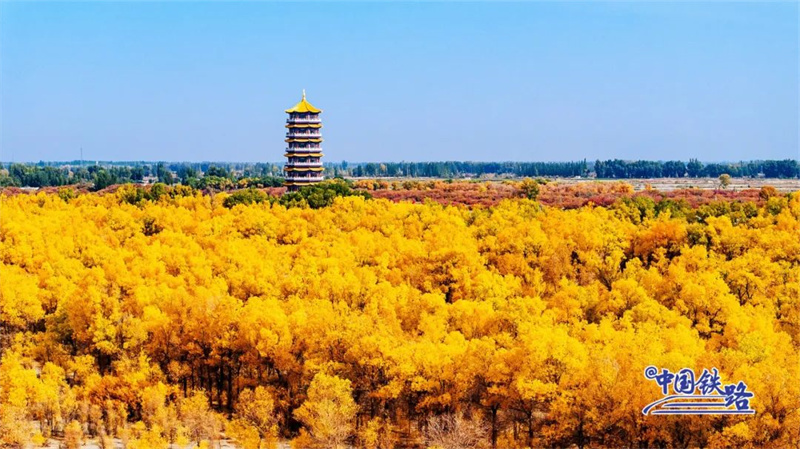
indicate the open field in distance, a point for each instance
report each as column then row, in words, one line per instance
column 662, row 184
column 669, row 184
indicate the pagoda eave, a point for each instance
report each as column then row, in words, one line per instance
column 303, row 140
column 302, row 169
column 301, row 125
column 303, row 154
column 299, row 183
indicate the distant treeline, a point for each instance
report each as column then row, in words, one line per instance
column 225, row 175
column 199, row 175
column 456, row 169
column 616, row 168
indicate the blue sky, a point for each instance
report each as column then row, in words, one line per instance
column 539, row 81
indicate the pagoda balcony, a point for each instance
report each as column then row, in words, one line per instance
column 304, row 178
column 304, row 149
column 303, row 120
column 304, row 164
column 303, row 135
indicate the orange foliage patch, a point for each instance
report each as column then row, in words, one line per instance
column 567, row 196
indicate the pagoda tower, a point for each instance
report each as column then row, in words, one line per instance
column 304, row 151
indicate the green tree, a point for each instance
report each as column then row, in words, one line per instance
column 103, row 179
column 694, row 168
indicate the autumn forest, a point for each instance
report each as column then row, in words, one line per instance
column 372, row 321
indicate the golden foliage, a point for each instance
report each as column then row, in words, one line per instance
column 366, row 319
column 329, row 411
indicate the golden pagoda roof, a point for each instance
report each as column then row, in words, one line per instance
column 311, row 125
column 304, row 106
column 303, row 154
column 299, row 183
column 290, row 168
column 292, row 139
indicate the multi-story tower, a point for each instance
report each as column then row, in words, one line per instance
column 304, row 152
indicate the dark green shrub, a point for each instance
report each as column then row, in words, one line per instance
column 321, row 195
column 248, row 196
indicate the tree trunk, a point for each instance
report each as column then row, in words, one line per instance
column 494, row 426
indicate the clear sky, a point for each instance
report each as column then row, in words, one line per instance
column 539, row 81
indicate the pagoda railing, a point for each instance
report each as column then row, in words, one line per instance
column 297, row 178
column 303, row 135
column 303, row 120
column 304, row 164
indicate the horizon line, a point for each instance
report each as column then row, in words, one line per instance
column 279, row 162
